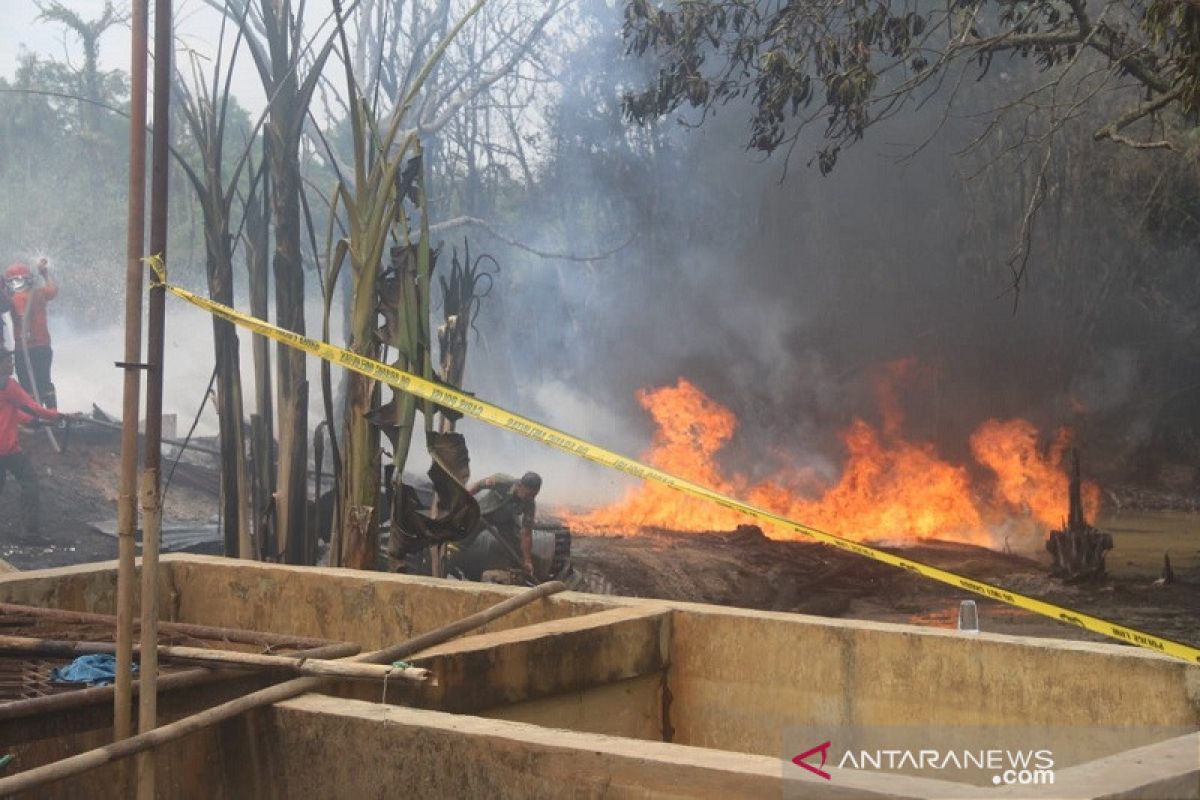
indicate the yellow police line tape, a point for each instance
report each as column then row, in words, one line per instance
column 495, row 415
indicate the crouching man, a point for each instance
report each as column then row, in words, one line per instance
column 516, row 512
column 16, row 408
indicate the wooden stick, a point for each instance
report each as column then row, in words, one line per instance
column 156, row 323
column 135, row 240
column 300, row 665
column 66, row 701
column 186, row 628
column 74, row 765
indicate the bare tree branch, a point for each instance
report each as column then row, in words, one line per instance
column 458, row 222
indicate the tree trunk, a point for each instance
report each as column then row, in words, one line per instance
column 360, row 492
column 262, row 445
column 292, row 403
column 1078, row 551
column 234, row 492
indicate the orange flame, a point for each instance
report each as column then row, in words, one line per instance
column 889, row 489
column 1026, row 480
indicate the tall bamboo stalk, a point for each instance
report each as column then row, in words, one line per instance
column 134, row 245
column 257, row 239
column 151, row 485
column 205, row 111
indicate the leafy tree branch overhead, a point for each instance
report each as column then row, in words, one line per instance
column 851, row 63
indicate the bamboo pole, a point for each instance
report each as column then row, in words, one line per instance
column 152, row 483
column 238, row 635
column 74, row 765
column 235, row 659
column 134, row 247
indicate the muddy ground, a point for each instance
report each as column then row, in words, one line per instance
column 79, row 489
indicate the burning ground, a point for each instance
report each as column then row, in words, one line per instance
column 986, row 520
column 717, row 563
column 890, row 488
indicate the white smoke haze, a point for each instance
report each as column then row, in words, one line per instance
column 85, row 374
column 85, row 371
column 568, row 480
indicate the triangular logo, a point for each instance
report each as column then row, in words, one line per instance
column 823, row 749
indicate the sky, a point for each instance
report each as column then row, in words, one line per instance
column 197, row 27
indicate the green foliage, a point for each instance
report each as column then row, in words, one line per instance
column 64, row 181
column 851, row 63
column 1173, row 27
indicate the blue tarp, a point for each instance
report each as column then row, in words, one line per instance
column 96, row 670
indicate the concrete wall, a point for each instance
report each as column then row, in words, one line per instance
column 86, row 587
column 188, row 768
column 320, row 747
column 371, row 608
column 601, row 673
column 709, row 677
column 632, row 708
column 402, row 752
column 740, row 679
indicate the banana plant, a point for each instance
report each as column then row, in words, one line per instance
column 383, row 209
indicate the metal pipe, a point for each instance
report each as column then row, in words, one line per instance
column 134, row 250
column 152, row 479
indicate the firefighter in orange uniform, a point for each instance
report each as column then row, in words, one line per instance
column 18, row 408
column 31, row 333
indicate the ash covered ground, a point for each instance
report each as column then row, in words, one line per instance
column 79, row 489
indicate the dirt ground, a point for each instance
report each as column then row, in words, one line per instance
column 748, row 570
column 743, row 568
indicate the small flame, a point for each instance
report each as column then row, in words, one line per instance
column 890, row 488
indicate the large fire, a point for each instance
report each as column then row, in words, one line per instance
column 890, row 489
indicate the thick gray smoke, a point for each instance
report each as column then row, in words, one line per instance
column 784, row 299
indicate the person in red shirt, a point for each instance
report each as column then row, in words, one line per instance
column 16, row 408
column 31, row 333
